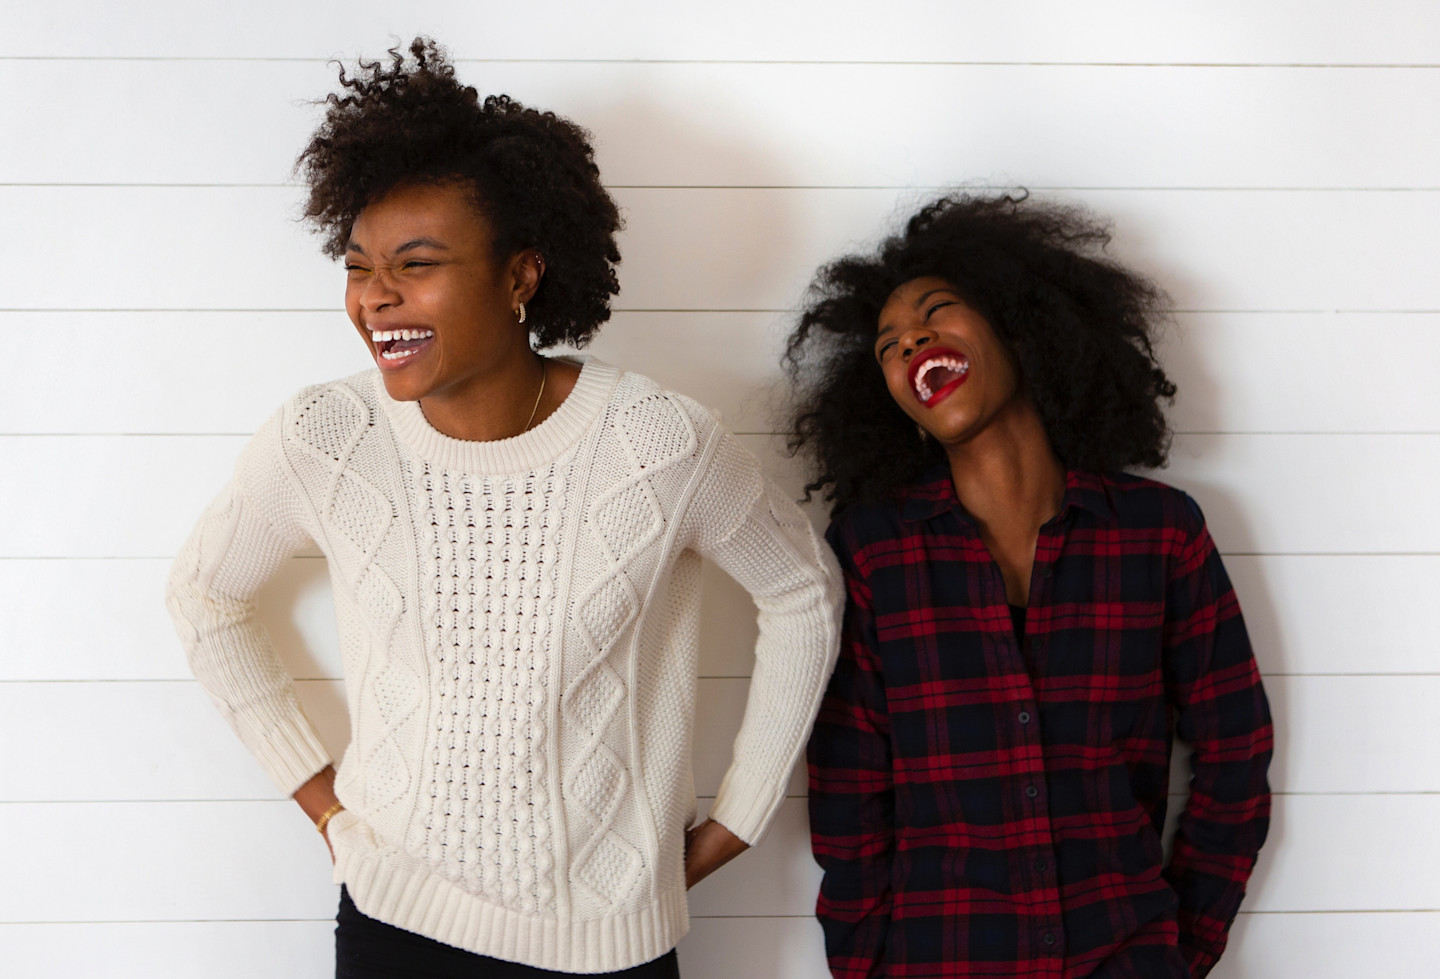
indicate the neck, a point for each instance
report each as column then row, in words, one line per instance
column 493, row 404
column 1008, row 477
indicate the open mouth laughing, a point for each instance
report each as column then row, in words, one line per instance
column 936, row 373
column 398, row 346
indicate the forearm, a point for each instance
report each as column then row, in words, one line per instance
column 708, row 847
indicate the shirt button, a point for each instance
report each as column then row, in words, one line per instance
column 1048, row 938
column 1046, row 570
column 1031, row 791
column 1024, row 717
column 1042, row 864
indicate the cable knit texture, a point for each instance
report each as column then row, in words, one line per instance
column 519, row 622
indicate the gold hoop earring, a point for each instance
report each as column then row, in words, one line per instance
column 521, row 311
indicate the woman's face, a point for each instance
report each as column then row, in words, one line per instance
column 433, row 304
column 942, row 361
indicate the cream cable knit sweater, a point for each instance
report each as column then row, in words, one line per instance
column 519, row 624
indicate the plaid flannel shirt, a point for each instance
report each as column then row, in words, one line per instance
column 987, row 807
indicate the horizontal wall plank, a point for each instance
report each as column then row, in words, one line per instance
column 103, row 620
column 165, row 740
column 224, row 372
column 1297, row 372
column 1334, row 31
column 779, row 124
column 1326, row 853
column 1349, row 614
column 1331, row 946
column 1262, row 946
column 1267, row 494
column 144, row 950
column 722, row 249
column 1283, row 494
column 106, row 620
column 1355, row 734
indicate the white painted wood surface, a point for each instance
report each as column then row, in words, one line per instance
column 1273, row 164
column 1084, row 125
column 1327, row 32
column 721, row 248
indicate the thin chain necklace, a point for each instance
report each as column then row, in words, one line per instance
column 543, row 374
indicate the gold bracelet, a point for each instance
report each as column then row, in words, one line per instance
column 325, row 818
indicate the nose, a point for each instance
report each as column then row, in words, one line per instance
column 378, row 291
column 913, row 340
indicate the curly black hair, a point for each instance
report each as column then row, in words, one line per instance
column 532, row 175
column 1079, row 326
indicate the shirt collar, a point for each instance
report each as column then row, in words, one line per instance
column 934, row 494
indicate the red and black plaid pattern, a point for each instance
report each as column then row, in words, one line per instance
column 988, row 807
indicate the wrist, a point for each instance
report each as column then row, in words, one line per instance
column 326, row 816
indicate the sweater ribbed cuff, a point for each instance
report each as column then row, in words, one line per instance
column 746, row 805
column 291, row 753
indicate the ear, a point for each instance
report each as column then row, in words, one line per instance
column 527, row 268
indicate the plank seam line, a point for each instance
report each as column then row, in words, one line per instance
column 1418, row 794
column 316, row 557
column 14, row 681
column 719, row 917
column 1278, row 432
column 927, row 188
column 788, row 311
column 816, row 62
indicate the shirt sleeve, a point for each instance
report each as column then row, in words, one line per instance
column 852, row 812
column 759, row 537
column 250, row 529
column 1214, row 686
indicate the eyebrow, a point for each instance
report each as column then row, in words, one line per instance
column 354, row 246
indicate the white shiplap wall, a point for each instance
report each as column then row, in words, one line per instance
column 1274, row 163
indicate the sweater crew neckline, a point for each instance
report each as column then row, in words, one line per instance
column 521, row 453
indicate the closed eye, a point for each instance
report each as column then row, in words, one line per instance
column 884, row 349
column 935, row 306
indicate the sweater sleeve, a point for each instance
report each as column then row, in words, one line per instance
column 759, row 537
column 250, row 529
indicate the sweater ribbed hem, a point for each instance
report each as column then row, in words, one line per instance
column 391, row 888
column 526, row 452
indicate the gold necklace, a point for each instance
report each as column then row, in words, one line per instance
column 543, row 374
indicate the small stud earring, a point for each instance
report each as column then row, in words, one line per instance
column 521, row 311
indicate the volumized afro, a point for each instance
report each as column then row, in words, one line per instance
column 532, row 174
column 1079, row 325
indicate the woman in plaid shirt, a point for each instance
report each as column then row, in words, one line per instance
column 1028, row 626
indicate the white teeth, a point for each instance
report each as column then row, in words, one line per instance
column 398, row 354
column 379, row 336
column 957, row 364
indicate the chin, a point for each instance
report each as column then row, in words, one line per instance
column 402, row 389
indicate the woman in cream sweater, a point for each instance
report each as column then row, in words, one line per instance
column 514, row 545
